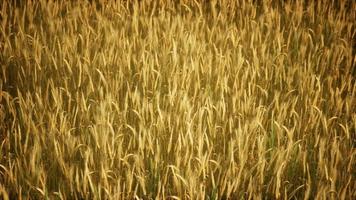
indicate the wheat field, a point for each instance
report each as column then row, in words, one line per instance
column 177, row 99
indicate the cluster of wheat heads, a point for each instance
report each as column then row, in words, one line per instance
column 167, row 100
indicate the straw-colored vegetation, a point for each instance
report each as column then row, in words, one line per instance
column 166, row 100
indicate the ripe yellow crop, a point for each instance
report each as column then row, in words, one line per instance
column 168, row 100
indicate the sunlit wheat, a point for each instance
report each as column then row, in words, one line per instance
column 177, row 100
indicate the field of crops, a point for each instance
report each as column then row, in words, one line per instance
column 177, row 100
